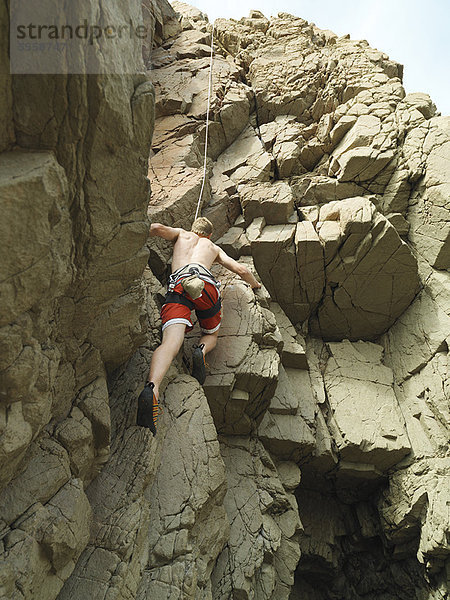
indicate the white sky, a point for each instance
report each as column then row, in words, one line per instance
column 415, row 33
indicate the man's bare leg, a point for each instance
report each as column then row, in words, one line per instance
column 163, row 356
column 209, row 340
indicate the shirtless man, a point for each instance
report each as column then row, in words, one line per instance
column 193, row 254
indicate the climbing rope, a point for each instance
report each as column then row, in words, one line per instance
column 207, row 124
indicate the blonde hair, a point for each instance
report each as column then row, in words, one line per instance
column 202, row 226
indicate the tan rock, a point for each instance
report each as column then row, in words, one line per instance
column 273, row 201
column 423, row 399
column 330, row 235
column 354, row 240
column 416, row 336
column 189, row 524
column 340, row 129
column 293, row 353
column 256, row 502
column 273, row 252
column 255, row 228
column 361, row 164
column 185, row 91
column 224, row 206
column 400, row 223
column 289, row 474
column 284, row 128
column 160, row 18
column 188, row 11
column 363, row 131
column 46, row 471
column 332, row 116
column 367, row 422
column 309, row 253
column 414, row 503
column 244, row 365
column 428, row 215
column 317, row 189
column 354, row 279
column 234, row 242
column 421, row 102
column 286, row 436
column 191, row 44
column 286, row 400
column 289, row 156
column 75, row 195
column 75, row 435
column 36, row 185
column 45, row 543
column 245, row 160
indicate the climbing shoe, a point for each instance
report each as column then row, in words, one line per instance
column 198, row 364
column 148, row 408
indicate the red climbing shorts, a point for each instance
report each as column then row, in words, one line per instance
column 172, row 312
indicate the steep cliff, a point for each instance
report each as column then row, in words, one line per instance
column 73, row 228
column 314, row 462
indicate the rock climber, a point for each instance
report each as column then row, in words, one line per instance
column 191, row 286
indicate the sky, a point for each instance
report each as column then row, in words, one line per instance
column 415, row 33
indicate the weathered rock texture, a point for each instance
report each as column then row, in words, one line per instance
column 314, row 462
column 73, row 200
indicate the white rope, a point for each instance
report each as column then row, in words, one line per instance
column 207, row 123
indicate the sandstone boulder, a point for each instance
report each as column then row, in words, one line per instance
column 273, row 201
column 371, row 270
column 330, row 270
column 245, row 160
column 366, row 420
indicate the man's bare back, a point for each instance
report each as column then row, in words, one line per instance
column 189, row 247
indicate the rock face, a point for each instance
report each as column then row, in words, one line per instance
column 313, row 463
column 73, row 200
column 348, row 271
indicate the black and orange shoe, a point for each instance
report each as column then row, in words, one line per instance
column 148, row 408
column 198, row 364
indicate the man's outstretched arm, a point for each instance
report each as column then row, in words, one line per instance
column 238, row 268
column 164, row 231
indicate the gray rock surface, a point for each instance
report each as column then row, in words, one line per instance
column 313, row 464
column 262, row 550
column 367, row 423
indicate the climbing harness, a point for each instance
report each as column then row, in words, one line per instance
column 207, row 123
column 178, row 276
column 187, row 271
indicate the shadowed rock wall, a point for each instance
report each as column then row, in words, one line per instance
column 73, row 195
